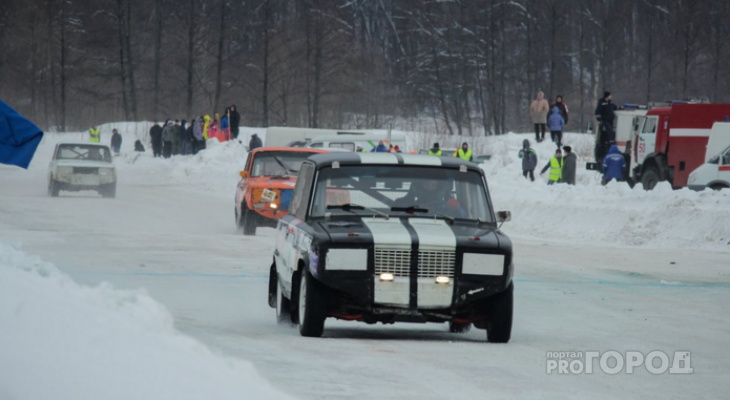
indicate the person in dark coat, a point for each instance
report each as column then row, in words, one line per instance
column 560, row 104
column 606, row 132
column 529, row 160
column 116, row 141
column 255, row 142
column 183, row 138
column 614, row 165
column 235, row 120
column 556, row 123
column 138, row 146
column 569, row 165
column 156, row 139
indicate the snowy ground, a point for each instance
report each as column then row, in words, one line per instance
column 155, row 295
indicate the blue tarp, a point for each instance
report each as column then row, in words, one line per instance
column 19, row 138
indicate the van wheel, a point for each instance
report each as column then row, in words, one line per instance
column 499, row 316
column 650, row 178
column 248, row 221
column 718, row 186
column 311, row 306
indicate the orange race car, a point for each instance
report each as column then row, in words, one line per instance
column 266, row 186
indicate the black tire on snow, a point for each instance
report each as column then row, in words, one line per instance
column 311, row 306
column 650, row 178
column 53, row 189
column 499, row 316
column 273, row 282
column 718, row 186
column 248, row 221
column 457, row 327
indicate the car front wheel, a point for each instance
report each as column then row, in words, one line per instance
column 53, row 189
column 499, row 316
column 311, row 306
column 248, row 220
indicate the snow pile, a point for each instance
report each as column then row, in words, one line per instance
column 589, row 212
column 57, row 337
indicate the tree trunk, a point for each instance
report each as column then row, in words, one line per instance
column 63, row 67
column 219, row 58
column 191, row 38
column 122, row 66
column 130, row 62
column 157, row 60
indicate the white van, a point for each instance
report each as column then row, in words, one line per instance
column 286, row 136
column 350, row 141
column 715, row 172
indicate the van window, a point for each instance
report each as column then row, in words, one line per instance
column 343, row 145
column 316, row 144
column 726, row 157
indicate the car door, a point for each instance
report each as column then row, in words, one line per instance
column 243, row 183
column 723, row 169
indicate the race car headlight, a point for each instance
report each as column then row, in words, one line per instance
column 106, row 171
column 386, row 277
column 64, row 171
column 483, row 264
column 443, row 279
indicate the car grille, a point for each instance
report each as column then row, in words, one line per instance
column 85, row 170
column 430, row 263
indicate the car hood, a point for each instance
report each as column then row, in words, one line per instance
column 82, row 163
column 429, row 233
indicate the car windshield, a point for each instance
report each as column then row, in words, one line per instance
column 83, row 152
column 399, row 191
column 278, row 163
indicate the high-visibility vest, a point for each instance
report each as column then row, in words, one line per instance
column 434, row 153
column 466, row 156
column 556, row 169
column 94, row 135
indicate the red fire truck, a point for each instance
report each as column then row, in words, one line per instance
column 670, row 142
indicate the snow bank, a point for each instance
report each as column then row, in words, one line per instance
column 57, row 337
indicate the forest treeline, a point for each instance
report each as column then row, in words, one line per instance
column 465, row 67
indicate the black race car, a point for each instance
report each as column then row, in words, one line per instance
column 383, row 237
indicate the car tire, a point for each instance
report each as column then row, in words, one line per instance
column 718, row 186
column 273, row 281
column 53, row 188
column 108, row 190
column 248, row 221
column 311, row 305
column 283, row 307
column 499, row 316
column 650, row 178
column 457, row 327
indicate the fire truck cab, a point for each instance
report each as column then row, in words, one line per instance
column 670, row 142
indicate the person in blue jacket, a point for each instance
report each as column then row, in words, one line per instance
column 556, row 123
column 380, row 148
column 614, row 165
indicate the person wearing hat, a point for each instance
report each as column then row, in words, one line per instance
column 569, row 165
column 464, row 152
column 556, row 167
column 606, row 133
column 435, row 151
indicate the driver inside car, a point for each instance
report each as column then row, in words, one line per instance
column 434, row 195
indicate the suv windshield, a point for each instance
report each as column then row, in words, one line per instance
column 83, row 152
column 278, row 163
column 399, row 191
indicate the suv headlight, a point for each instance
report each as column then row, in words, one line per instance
column 64, row 171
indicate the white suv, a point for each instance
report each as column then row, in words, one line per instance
column 82, row 166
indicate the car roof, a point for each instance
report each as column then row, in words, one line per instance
column 371, row 158
column 289, row 149
column 71, row 143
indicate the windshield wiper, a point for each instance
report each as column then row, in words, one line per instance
column 281, row 163
column 410, row 209
column 350, row 207
column 417, row 209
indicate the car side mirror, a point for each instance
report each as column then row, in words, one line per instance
column 503, row 216
column 244, row 174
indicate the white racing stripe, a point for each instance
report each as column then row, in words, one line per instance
column 689, row 132
column 378, row 158
column 434, row 235
column 390, row 234
column 421, row 159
